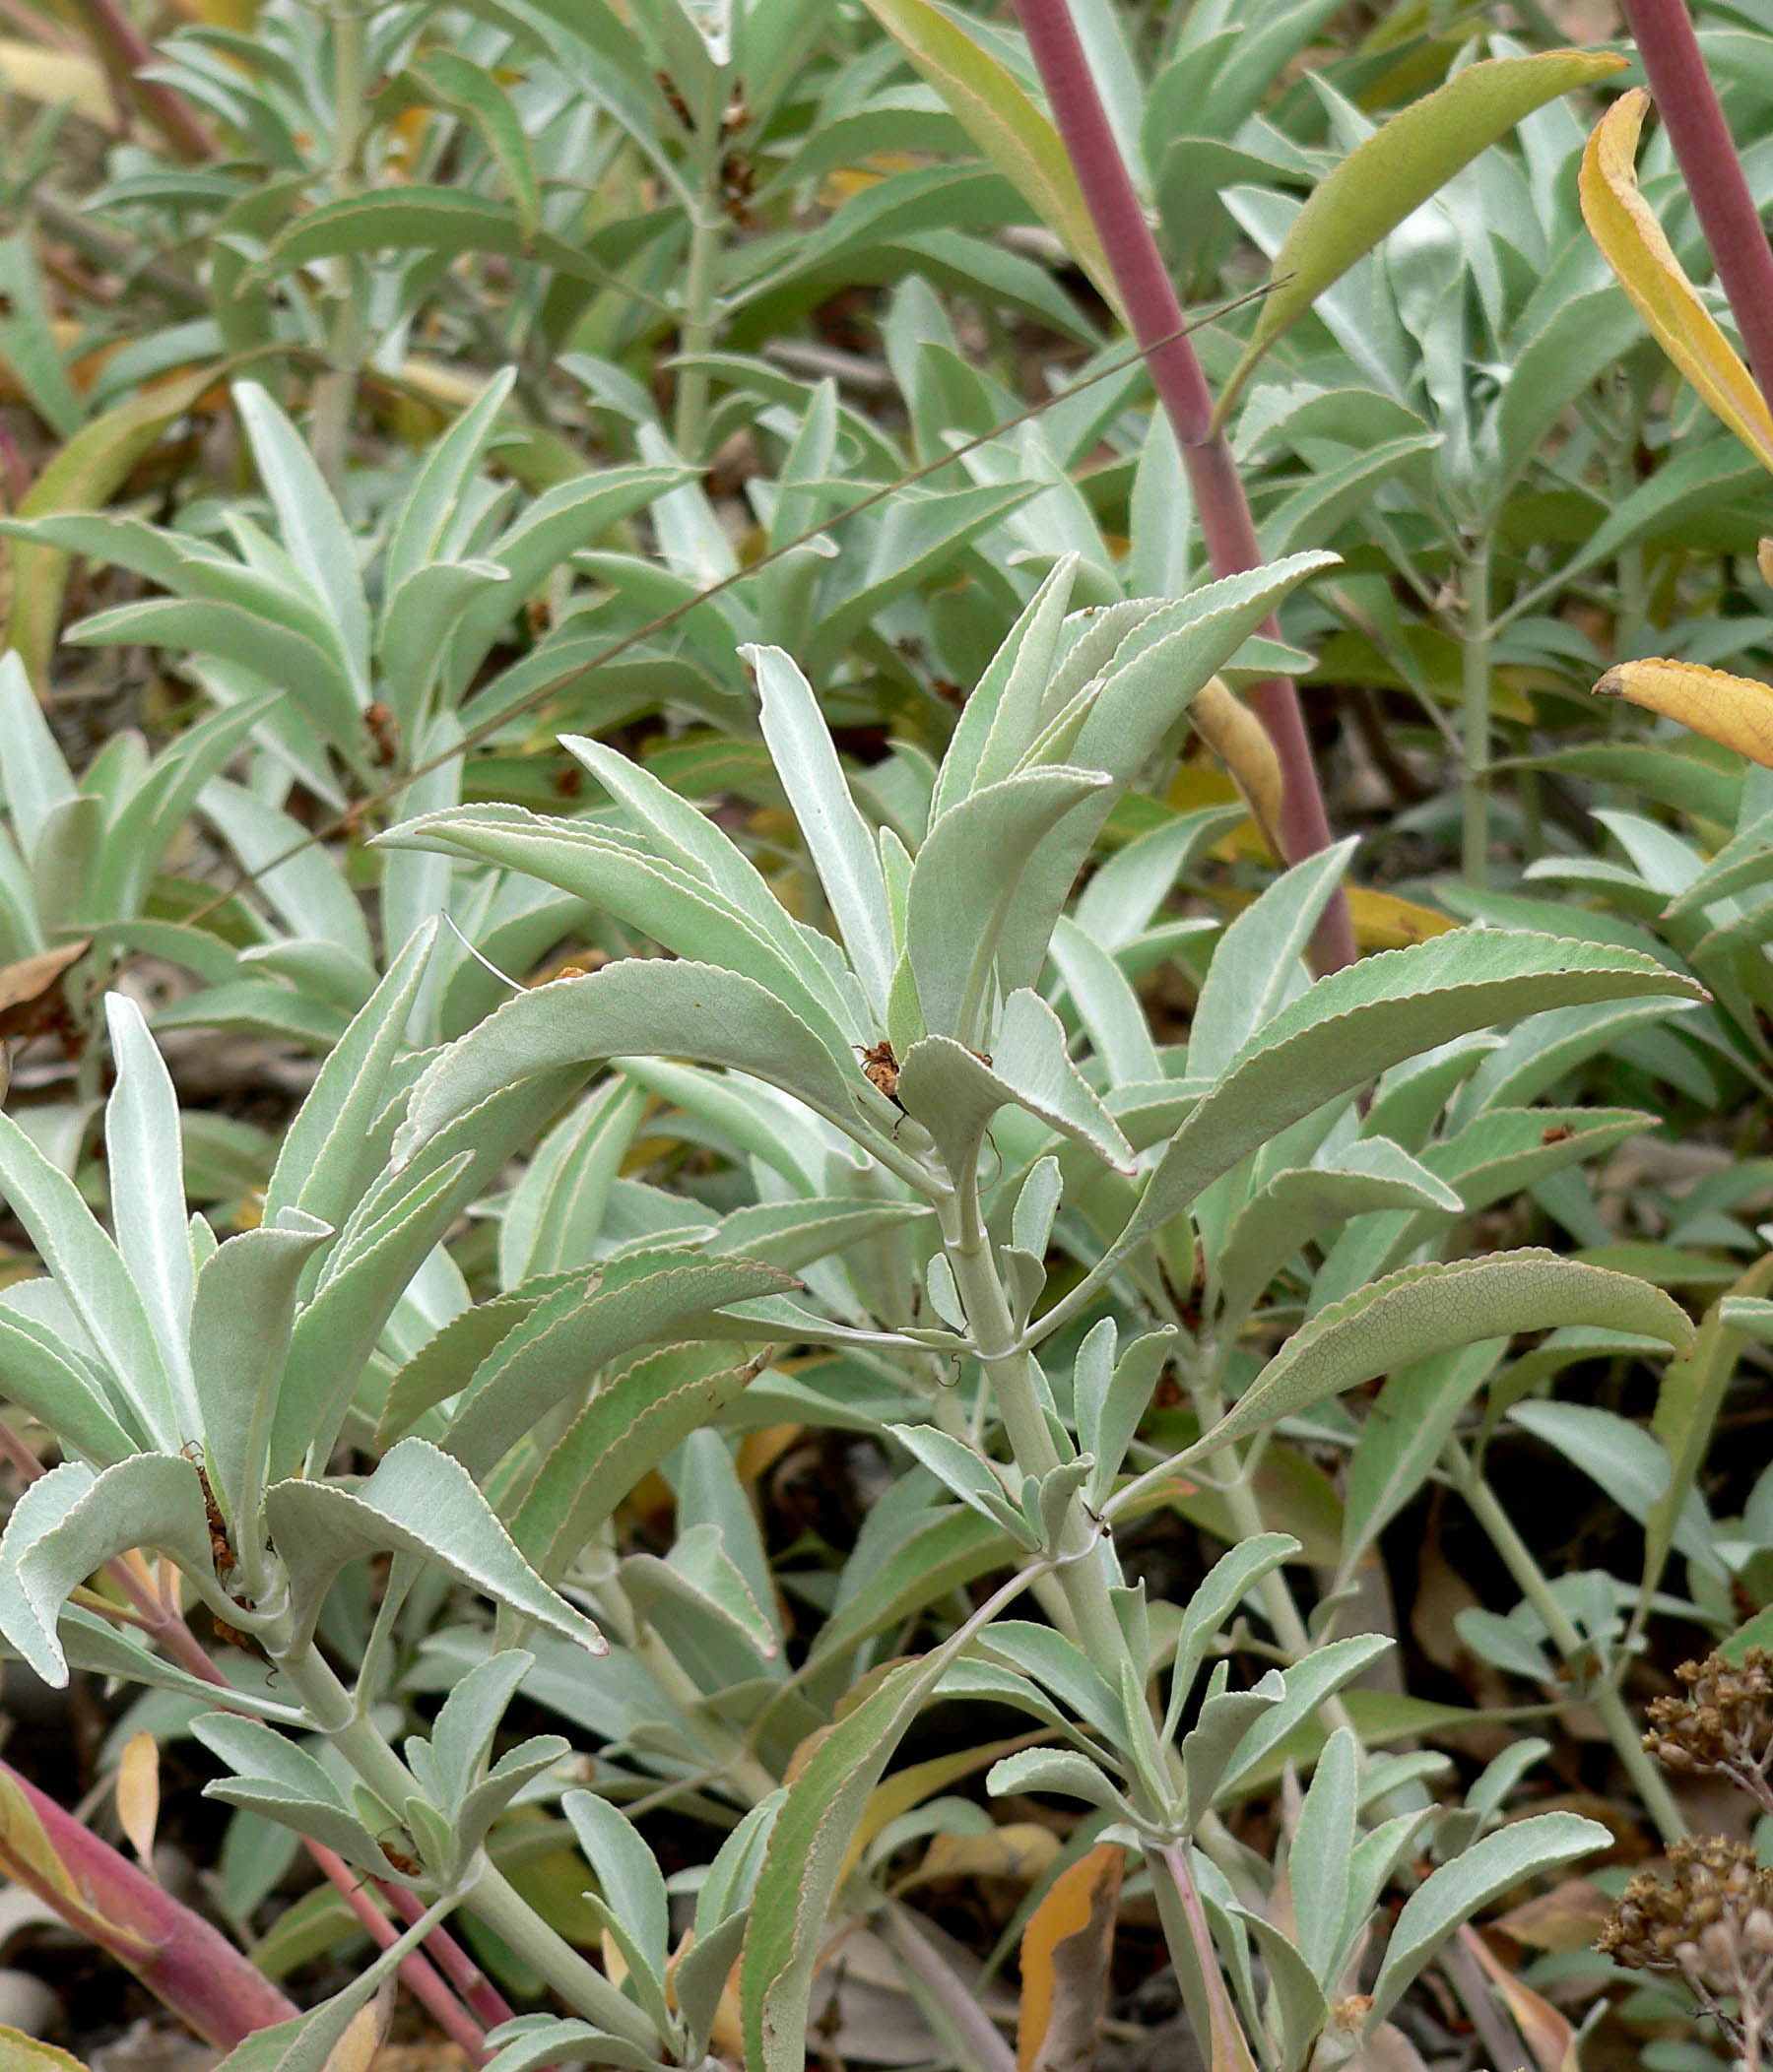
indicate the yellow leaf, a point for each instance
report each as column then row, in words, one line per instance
column 1019, row 138
column 1020, row 1848
column 54, row 76
column 1734, row 710
column 356, row 2049
column 1383, row 921
column 1240, row 742
column 1065, row 1952
column 28, row 1855
column 138, row 1793
column 1632, row 243
column 25, row 2054
column 910, row 1787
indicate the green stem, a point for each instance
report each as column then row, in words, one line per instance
column 491, row 1899
column 1475, row 709
column 1602, row 1693
column 335, row 388
column 701, row 306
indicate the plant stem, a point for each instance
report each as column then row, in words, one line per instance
column 1475, row 712
column 1601, row 1692
column 416, row 1971
column 900, row 1931
column 1688, row 102
column 491, row 1899
column 335, row 388
column 1154, row 313
column 700, row 314
column 495, row 1904
column 186, row 1963
column 1191, row 1949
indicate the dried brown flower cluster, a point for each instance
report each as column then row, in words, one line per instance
column 1725, row 1723
column 1711, row 1924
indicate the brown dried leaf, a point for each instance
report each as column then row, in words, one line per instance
column 1544, row 2032
column 31, row 989
column 1020, row 1848
column 1568, row 1917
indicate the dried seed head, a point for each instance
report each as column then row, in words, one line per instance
column 1723, row 1724
column 1703, row 1921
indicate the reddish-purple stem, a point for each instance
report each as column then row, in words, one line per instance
column 1688, row 102
column 416, row 1971
column 124, row 52
column 1148, row 297
column 190, row 1967
column 488, row 2004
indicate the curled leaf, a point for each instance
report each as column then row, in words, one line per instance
column 1240, row 742
column 1632, row 243
column 1734, row 710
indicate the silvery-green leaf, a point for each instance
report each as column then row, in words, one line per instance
column 151, row 1501
column 367, row 1274
column 1000, row 718
column 1299, row 1202
column 240, row 1319
column 631, row 1887
column 556, row 1209
column 461, row 1736
column 420, row 1502
column 432, row 502
column 1111, row 1397
column 548, row 1357
column 34, row 773
column 836, row 837
column 1107, row 1006
column 1319, row 1865
column 91, row 1274
column 1257, row 965
column 1424, row 1310
column 628, row 1427
column 1349, row 1026
column 1458, row 1890
column 1058, row 1769
column 613, row 873
column 699, row 1978
column 955, row 1465
column 955, row 1094
column 1306, row 1684
column 74, row 1404
column 1226, row 1583
column 647, row 1006
column 1225, row 1717
column 700, row 1572
column 959, row 910
column 313, row 528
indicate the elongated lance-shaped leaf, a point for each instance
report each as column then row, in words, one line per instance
column 245, row 1304
column 1458, row 1890
column 1016, row 135
column 323, row 1166
column 1000, row 718
column 86, row 1415
column 34, row 773
column 313, row 527
column 1394, row 171
column 546, row 1359
column 337, row 1331
column 809, row 1845
column 144, row 1157
column 837, row 837
column 616, row 874
column 626, row 1429
column 153, row 1501
column 1354, row 1024
column 957, row 909
column 90, row 1272
column 1428, row 1309
column 420, row 1501
column 1634, row 244
column 645, row 1006
column 437, row 490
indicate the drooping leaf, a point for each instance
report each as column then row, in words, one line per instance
column 1633, row 244
column 1394, row 171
